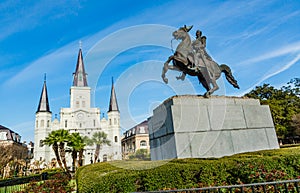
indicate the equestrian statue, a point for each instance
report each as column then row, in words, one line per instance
column 191, row 58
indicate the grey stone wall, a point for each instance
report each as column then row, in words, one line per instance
column 195, row 127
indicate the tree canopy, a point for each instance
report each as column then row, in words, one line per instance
column 75, row 144
column 99, row 139
column 284, row 104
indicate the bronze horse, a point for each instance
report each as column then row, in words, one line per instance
column 184, row 61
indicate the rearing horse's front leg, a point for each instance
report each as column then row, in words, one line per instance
column 165, row 69
column 181, row 77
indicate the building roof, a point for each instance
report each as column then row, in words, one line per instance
column 139, row 129
column 113, row 104
column 80, row 75
column 44, row 102
column 7, row 134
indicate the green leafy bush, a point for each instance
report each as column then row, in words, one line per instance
column 59, row 182
column 245, row 168
column 140, row 154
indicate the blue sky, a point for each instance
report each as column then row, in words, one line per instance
column 130, row 40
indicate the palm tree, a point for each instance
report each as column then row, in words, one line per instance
column 57, row 139
column 52, row 140
column 99, row 139
column 77, row 144
column 62, row 139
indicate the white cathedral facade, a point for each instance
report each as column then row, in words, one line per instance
column 79, row 117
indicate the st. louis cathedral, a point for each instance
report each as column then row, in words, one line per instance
column 79, row 117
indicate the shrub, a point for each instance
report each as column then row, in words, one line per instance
column 59, row 182
column 140, row 154
column 190, row 173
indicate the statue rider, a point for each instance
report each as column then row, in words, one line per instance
column 198, row 55
column 201, row 58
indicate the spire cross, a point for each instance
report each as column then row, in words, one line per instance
column 45, row 77
column 80, row 44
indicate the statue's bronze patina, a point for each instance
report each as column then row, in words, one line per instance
column 191, row 58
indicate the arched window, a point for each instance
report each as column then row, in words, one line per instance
column 42, row 123
column 116, row 139
column 66, row 123
column 143, row 143
column 104, row 157
column 115, row 121
column 48, row 123
column 109, row 121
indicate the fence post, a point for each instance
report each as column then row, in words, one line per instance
column 296, row 185
column 286, row 187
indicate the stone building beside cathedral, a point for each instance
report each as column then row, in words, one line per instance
column 79, row 117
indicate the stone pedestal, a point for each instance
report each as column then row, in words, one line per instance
column 195, row 127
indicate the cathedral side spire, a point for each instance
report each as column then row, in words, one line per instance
column 80, row 75
column 113, row 104
column 44, row 102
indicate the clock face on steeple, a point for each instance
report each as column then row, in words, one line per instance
column 80, row 116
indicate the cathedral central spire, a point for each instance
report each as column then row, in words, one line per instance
column 80, row 79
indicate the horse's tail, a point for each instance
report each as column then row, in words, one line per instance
column 227, row 71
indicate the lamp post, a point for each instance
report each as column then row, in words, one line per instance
column 91, row 160
column 90, row 152
column 26, row 162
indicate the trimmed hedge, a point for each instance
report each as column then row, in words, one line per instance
column 30, row 178
column 130, row 176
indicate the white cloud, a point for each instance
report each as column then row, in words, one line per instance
column 25, row 129
column 46, row 64
column 283, row 68
column 272, row 73
column 19, row 16
column 290, row 49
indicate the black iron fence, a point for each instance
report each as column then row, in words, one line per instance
column 13, row 188
column 286, row 186
column 18, row 184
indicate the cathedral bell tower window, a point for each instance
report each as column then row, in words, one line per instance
column 41, row 143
